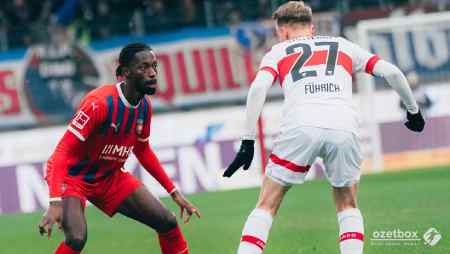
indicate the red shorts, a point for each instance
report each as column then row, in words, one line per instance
column 106, row 194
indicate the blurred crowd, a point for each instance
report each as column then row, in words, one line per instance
column 24, row 22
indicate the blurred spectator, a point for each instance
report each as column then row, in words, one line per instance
column 102, row 15
column 20, row 15
column 3, row 32
column 189, row 11
column 103, row 19
column 155, row 16
column 223, row 11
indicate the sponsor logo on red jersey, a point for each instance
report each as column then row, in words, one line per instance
column 115, row 152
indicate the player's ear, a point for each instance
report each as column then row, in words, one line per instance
column 280, row 29
column 313, row 29
column 126, row 71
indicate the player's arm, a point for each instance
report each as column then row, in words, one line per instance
column 88, row 118
column 362, row 60
column 57, row 165
column 255, row 102
column 151, row 163
column 145, row 154
column 56, row 171
column 395, row 78
column 91, row 114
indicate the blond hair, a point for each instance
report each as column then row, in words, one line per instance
column 293, row 12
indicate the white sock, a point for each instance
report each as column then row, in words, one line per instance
column 255, row 232
column 351, row 231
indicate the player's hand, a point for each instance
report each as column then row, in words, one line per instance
column 415, row 121
column 51, row 216
column 244, row 158
column 186, row 208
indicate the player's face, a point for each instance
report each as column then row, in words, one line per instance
column 143, row 72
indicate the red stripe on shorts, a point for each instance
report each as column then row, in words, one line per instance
column 351, row 235
column 289, row 165
column 253, row 240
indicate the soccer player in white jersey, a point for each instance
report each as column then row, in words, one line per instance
column 318, row 120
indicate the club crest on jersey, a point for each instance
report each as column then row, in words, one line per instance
column 139, row 126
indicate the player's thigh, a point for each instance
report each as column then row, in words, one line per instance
column 271, row 195
column 73, row 219
column 142, row 206
column 293, row 154
column 342, row 156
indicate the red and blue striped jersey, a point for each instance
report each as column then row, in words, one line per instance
column 109, row 127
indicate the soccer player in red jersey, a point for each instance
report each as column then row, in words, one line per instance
column 87, row 164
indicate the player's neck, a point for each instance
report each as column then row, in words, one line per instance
column 298, row 33
column 131, row 94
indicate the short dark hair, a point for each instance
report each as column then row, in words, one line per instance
column 293, row 12
column 128, row 52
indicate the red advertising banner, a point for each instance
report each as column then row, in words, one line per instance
column 199, row 68
column 9, row 95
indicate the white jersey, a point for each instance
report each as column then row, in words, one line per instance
column 315, row 74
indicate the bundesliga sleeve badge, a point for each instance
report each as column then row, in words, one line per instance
column 80, row 120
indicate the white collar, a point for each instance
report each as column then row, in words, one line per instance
column 122, row 97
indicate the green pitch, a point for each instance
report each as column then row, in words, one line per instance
column 306, row 223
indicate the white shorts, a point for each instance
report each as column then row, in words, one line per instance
column 296, row 150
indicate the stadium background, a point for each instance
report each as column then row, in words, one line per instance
column 52, row 52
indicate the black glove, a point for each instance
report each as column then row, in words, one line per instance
column 243, row 158
column 415, row 121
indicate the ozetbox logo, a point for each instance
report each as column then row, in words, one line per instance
column 405, row 237
column 432, row 237
column 396, row 234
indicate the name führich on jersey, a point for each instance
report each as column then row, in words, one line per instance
column 314, row 88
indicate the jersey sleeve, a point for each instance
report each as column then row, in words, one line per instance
column 152, row 165
column 56, row 167
column 255, row 101
column 90, row 115
column 269, row 63
column 362, row 60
